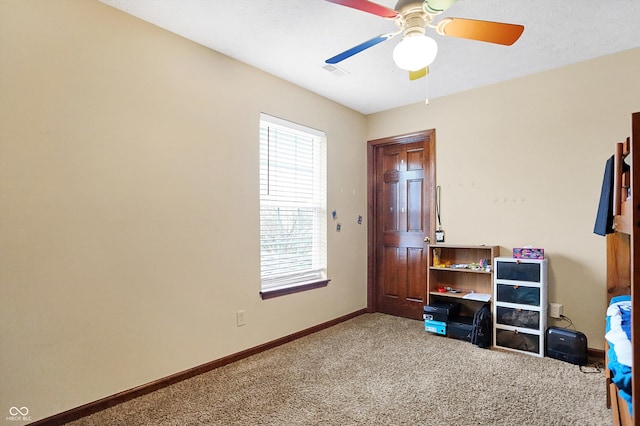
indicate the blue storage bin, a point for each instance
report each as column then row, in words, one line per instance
column 437, row 327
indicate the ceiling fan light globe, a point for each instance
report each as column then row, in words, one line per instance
column 415, row 52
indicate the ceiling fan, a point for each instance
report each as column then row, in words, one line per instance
column 416, row 51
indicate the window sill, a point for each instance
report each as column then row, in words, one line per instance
column 283, row 291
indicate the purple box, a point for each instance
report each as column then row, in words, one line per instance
column 528, row 253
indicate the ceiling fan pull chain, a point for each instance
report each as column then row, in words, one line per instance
column 426, row 92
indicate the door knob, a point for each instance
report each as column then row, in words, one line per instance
column 427, row 240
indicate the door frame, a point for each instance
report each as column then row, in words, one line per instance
column 429, row 139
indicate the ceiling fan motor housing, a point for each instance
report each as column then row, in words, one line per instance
column 433, row 7
column 412, row 20
column 403, row 5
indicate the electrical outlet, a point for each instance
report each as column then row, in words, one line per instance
column 555, row 310
column 240, row 318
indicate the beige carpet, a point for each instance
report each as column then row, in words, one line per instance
column 376, row 370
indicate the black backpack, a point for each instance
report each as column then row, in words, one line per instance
column 482, row 327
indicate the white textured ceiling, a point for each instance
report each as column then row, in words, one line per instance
column 292, row 38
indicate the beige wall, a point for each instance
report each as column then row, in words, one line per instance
column 522, row 162
column 129, row 205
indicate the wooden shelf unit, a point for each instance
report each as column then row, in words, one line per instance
column 465, row 280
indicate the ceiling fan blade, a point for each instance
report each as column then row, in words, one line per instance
column 359, row 48
column 367, row 6
column 438, row 6
column 416, row 75
column 491, row 32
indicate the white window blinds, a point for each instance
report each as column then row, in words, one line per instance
column 293, row 219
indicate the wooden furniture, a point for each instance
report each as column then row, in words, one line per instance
column 520, row 304
column 462, row 269
column 623, row 259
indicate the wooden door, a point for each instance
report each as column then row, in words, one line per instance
column 401, row 188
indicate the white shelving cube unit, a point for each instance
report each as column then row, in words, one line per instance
column 520, row 304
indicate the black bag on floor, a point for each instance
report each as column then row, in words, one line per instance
column 481, row 332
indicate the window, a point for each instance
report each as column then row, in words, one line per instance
column 293, row 212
